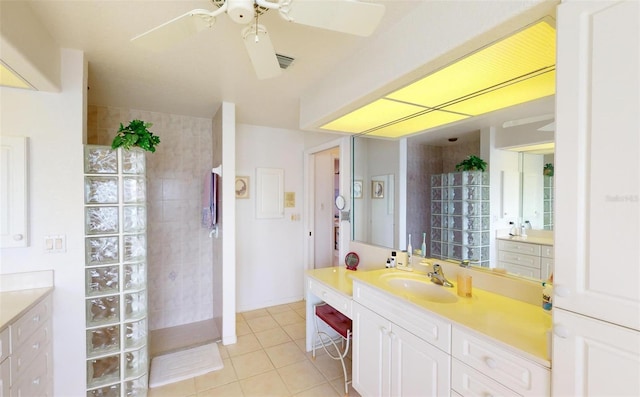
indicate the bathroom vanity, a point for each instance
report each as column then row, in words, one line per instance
column 529, row 256
column 25, row 341
column 412, row 337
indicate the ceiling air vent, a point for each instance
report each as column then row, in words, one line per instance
column 284, row 61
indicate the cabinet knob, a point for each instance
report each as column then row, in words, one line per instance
column 491, row 363
column 561, row 291
column 18, row 237
column 561, row 331
column 36, row 381
column 36, row 346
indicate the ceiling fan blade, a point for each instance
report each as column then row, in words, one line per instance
column 263, row 56
column 171, row 32
column 346, row 16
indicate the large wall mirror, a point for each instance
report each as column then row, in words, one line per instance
column 374, row 191
column 519, row 189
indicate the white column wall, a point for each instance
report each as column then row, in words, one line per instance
column 54, row 123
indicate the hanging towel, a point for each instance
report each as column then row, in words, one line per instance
column 209, row 198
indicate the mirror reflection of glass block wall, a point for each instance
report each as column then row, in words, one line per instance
column 115, row 272
column 460, row 216
column 548, row 203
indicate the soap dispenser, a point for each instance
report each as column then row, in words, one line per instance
column 513, row 231
column 409, row 248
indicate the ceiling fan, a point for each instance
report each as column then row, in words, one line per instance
column 346, row 16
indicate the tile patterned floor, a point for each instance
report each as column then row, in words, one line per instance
column 269, row 360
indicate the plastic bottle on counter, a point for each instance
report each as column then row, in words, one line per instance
column 513, row 231
column 547, row 296
column 424, row 245
column 409, row 248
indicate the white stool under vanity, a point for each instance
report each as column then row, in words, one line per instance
column 403, row 344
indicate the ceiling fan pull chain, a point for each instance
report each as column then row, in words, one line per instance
column 257, row 16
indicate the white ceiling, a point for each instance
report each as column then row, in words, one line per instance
column 195, row 76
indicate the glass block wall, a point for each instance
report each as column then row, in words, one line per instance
column 115, row 271
column 548, row 203
column 460, row 216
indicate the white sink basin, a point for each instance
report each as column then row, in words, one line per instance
column 419, row 287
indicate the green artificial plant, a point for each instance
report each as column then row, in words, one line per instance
column 472, row 163
column 136, row 134
column 548, row 169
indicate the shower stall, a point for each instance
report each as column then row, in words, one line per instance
column 180, row 303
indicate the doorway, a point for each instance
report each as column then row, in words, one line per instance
column 323, row 186
column 326, row 222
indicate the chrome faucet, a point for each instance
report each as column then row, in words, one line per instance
column 437, row 276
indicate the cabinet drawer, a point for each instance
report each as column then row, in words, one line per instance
column 519, row 259
column 546, row 268
column 339, row 301
column 518, row 247
column 521, row 270
column 430, row 328
column 547, row 251
column 36, row 380
column 469, row 382
column 5, row 372
column 5, row 348
column 30, row 349
column 506, row 367
column 27, row 324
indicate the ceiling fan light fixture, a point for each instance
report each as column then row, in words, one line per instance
column 241, row 11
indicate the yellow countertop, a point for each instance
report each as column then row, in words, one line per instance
column 528, row 239
column 13, row 304
column 337, row 278
column 510, row 322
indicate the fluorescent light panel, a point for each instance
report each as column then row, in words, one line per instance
column 9, row 78
column 515, row 70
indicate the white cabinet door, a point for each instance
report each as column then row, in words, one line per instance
column 390, row 361
column 594, row 358
column 13, row 192
column 418, row 368
column 371, row 355
column 597, row 160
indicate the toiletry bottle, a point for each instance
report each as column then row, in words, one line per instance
column 424, row 245
column 523, row 231
column 547, row 296
column 409, row 248
column 513, row 231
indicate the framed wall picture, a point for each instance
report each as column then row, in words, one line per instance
column 377, row 189
column 242, row 187
column 357, row 189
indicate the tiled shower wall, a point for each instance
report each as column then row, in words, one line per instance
column 180, row 252
column 424, row 161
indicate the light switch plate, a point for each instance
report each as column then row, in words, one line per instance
column 55, row 244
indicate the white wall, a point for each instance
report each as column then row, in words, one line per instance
column 54, row 124
column 270, row 252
